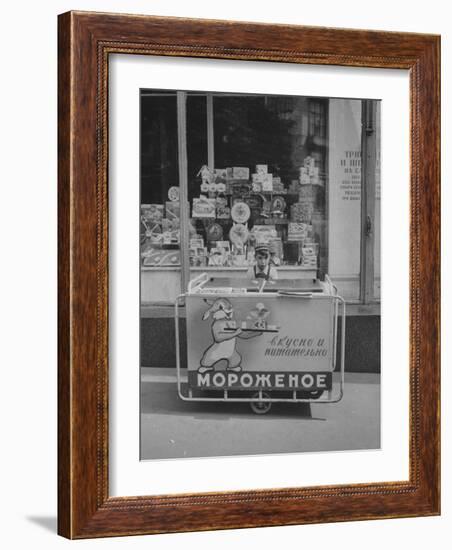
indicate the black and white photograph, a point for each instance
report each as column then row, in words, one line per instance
column 224, row 233
column 259, row 274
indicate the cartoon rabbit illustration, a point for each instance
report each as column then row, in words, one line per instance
column 224, row 334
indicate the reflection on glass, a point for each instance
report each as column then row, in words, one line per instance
column 267, row 184
column 159, row 229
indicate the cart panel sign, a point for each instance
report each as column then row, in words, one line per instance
column 273, row 340
column 250, row 380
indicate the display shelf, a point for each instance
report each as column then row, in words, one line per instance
column 254, row 193
column 271, row 221
column 223, row 268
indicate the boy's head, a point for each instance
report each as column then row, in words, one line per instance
column 262, row 255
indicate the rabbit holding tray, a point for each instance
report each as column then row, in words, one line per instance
column 224, row 339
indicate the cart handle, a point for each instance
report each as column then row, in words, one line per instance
column 197, row 282
column 332, row 286
column 295, row 294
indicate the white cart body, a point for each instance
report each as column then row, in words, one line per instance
column 260, row 346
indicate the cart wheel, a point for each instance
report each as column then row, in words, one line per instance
column 260, row 407
column 316, row 394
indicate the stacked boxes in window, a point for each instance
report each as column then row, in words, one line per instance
column 297, row 231
column 277, row 184
column 319, row 230
column 261, row 179
column 309, row 172
column 301, row 211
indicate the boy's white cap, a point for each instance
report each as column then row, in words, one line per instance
column 261, row 247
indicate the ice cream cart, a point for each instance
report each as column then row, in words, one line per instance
column 261, row 341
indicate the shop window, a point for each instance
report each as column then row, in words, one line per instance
column 281, row 170
column 160, row 205
column 263, row 147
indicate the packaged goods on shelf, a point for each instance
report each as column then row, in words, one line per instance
column 308, row 262
column 309, row 172
column 223, row 212
column 217, row 257
column 171, row 237
column 221, row 201
column 297, row 231
column 258, row 178
column 162, row 258
column 240, row 188
column 255, row 203
column 240, row 172
column 306, row 209
column 152, row 212
column 221, row 174
column 264, row 233
column 197, row 242
column 277, row 213
column 237, row 173
column 203, row 208
column 198, row 256
column 278, row 187
column 301, row 211
column 267, row 183
column 224, row 245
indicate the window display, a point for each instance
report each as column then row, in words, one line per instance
column 257, row 173
column 246, row 206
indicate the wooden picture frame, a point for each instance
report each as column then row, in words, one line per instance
column 86, row 40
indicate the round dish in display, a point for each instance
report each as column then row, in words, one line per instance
column 240, row 212
column 238, row 234
column 214, row 232
column 173, row 193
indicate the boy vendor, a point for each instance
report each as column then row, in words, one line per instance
column 262, row 268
